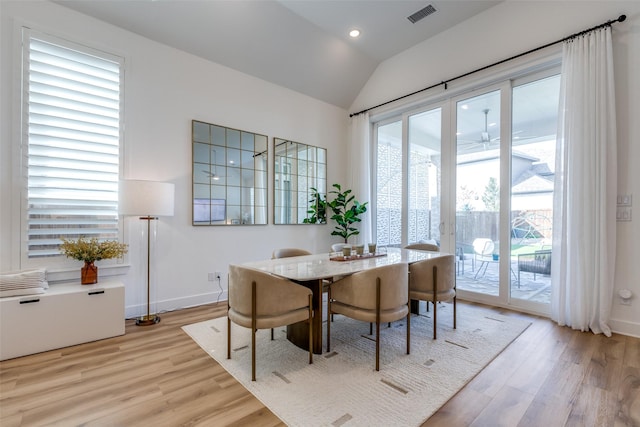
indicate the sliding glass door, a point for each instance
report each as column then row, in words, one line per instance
column 475, row 175
column 505, row 156
column 478, row 167
column 424, row 177
column 533, row 151
column 389, row 183
column 408, row 179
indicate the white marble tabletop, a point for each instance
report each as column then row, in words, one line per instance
column 319, row 266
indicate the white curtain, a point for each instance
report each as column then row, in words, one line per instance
column 584, row 234
column 360, row 166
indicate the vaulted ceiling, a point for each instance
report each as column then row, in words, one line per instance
column 303, row 45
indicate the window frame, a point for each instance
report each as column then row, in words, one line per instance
column 537, row 63
column 58, row 267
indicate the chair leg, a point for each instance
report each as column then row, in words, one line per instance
column 228, row 337
column 253, row 354
column 329, row 314
column 377, row 324
column 435, row 309
column 409, row 329
column 253, row 330
column 435, row 299
column 454, row 312
column 311, row 329
column 378, row 345
column 271, row 334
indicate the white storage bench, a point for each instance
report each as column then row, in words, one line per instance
column 67, row 314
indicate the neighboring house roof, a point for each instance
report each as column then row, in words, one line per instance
column 530, row 182
column 541, row 169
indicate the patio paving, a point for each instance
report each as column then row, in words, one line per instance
column 538, row 290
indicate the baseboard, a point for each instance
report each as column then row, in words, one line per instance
column 134, row 311
column 623, row 327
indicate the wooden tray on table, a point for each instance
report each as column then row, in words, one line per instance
column 357, row 257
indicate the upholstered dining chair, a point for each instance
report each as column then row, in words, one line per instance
column 423, row 247
column 288, row 252
column 378, row 295
column 434, row 280
column 291, row 252
column 259, row 300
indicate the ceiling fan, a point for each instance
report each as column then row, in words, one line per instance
column 485, row 137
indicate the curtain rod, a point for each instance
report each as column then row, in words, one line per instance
column 621, row 18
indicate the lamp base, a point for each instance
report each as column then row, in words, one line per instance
column 151, row 319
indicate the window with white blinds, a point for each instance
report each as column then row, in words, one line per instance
column 71, row 117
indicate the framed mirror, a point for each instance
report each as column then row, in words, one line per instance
column 298, row 169
column 229, row 176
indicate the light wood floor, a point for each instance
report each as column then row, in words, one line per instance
column 156, row 375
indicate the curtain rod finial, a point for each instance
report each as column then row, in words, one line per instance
column 622, row 18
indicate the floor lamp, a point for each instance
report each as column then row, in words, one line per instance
column 148, row 200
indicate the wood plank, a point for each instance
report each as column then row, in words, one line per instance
column 505, row 409
column 549, row 376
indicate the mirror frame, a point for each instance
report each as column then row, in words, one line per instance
column 229, row 176
column 297, row 168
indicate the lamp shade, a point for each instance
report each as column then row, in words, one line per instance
column 150, row 198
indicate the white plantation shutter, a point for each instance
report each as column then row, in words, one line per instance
column 72, row 114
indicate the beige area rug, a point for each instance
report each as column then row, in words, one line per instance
column 342, row 388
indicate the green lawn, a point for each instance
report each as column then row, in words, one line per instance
column 524, row 249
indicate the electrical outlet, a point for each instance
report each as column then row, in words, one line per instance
column 211, row 277
column 218, row 275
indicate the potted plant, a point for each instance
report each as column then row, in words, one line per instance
column 346, row 211
column 89, row 251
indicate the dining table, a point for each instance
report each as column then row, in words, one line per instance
column 312, row 271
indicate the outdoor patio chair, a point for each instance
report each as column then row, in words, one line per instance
column 483, row 252
column 538, row 262
column 462, row 257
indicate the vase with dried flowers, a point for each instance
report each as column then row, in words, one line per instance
column 91, row 250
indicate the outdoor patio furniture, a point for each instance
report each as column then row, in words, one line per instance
column 483, row 252
column 538, row 262
column 461, row 257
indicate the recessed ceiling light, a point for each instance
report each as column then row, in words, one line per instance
column 354, row 33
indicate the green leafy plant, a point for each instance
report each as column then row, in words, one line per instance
column 346, row 212
column 90, row 250
column 317, row 208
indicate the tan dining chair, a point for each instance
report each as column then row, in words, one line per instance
column 434, row 280
column 423, row 247
column 378, row 295
column 259, row 300
column 291, row 252
column 288, row 252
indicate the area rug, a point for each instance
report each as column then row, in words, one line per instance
column 342, row 387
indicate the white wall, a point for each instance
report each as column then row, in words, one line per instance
column 164, row 90
column 513, row 27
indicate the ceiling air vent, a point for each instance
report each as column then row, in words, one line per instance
column 422, row 13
